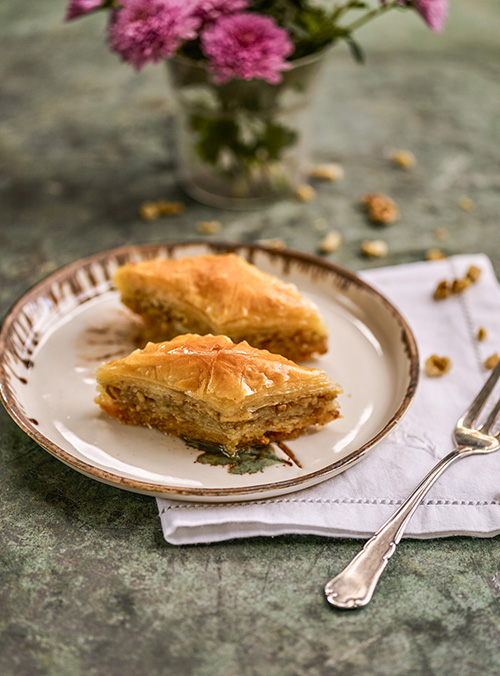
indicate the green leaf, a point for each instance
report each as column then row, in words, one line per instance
column 311, row 27
column 214, row 135
column 356, row 50
column 254, row 459
column 248, row 459
column 268, row 140
column 276, row 138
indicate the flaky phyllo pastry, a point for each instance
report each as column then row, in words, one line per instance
column 222, row 295
column 210, row 389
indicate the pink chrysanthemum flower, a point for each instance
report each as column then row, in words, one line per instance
column 209, row 10
column 433, row 12
column 77, row 8
column 246, row 46
column 145, row 31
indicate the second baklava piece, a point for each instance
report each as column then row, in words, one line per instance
column 222, row 295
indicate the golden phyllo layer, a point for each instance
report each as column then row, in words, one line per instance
column 210, row 389
column 222, row 295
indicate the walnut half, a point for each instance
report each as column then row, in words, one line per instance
column 437, row 366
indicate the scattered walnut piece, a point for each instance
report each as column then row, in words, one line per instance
column 148, row 211
column 275, row 243
column 374, row 248
column 437, row 366
column 327, row 172
column 459, row 285
column 466, row 203
column 442, row 290
column 331, row 242
column 434, row 255
column 492, row 361
column 381, row 209
column 473, row 273
column 482, row 334
column 168, row 208
column 305, row 193
column 209, row 227
column 441, row 234
column 404, row 159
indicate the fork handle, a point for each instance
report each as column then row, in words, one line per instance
column 354, row 586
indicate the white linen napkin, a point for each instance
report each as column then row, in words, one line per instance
column 465, row 501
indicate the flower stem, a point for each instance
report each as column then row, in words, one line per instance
column 372, row 14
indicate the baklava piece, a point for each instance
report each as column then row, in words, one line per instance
column 209, row 389
column 222, row 295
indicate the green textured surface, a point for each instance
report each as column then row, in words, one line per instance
column 87, row 583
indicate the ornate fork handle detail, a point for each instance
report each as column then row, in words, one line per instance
column 354, row 586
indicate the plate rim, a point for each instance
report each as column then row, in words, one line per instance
column 221, row 246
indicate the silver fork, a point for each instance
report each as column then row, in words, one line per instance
column 354, row 586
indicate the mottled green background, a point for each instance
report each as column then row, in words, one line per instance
column 87, row 583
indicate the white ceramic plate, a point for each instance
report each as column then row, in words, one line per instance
column 54, row 337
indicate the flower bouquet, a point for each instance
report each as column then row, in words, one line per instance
column 242, row 73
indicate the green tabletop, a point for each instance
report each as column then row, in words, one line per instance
column 87, row 583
